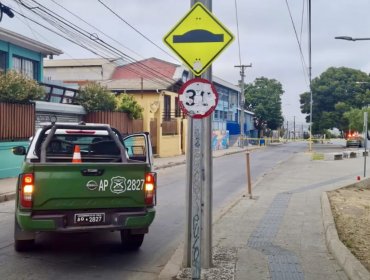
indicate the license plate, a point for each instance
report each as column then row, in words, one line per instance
column 89, row 218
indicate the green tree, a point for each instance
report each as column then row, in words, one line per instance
column 95, row 97
column 15, row 87
column 334, row 92
column 127, row 103
column 355, row 119
column 263, row 97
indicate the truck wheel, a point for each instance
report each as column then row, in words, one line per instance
column 23, row 241
column 131, row 241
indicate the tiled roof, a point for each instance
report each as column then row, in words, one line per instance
column 148, row 68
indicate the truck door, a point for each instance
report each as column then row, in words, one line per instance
column 139, row 147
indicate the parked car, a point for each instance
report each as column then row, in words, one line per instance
column 355, row 141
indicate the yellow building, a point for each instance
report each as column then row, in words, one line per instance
column 154, row 84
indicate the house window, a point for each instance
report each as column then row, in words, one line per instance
column 167, row 108
column 2, row 62
column 216, row 114
column 25, row 66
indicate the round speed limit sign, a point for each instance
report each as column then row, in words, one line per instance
column 198, row 98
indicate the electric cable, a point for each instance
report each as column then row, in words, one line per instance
column 54, row 19
column 299, row 44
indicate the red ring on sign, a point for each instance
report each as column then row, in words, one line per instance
column 210, row 110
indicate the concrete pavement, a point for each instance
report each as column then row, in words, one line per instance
column 280, row 232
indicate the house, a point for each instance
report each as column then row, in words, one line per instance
column 154, row 83
column 25, row 56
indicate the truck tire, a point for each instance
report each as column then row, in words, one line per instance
column 131, row 241
column 23, row 241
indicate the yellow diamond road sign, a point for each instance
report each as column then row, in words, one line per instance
column 198, row 38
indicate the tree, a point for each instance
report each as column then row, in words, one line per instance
column 334, row 92
column 127, row 103
column 94, row 97
column 15, row 87
column 263, row 97
column 355, row 119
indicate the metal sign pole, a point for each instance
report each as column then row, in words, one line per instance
column 196, row 211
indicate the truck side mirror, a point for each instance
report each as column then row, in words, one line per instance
column 19, row 150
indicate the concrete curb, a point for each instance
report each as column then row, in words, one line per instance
column 7, row 196
column 352, row 266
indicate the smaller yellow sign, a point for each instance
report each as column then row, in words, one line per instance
column 198, row 38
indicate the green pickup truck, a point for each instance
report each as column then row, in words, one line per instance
column 85, row 177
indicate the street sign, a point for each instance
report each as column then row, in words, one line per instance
column 198, row 98
column 198, row 38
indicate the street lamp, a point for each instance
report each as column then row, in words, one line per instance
column 348, row 38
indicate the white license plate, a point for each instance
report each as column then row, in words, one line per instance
column 89, row 218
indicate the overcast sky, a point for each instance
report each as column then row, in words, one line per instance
column 266, row 35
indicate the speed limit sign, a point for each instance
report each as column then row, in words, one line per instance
column 198, row 98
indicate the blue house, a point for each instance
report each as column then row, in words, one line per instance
column 226, row 117
column 23, row 55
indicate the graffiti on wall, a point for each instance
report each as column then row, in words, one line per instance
column 220, row 139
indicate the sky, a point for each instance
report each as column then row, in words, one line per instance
column 263, row 30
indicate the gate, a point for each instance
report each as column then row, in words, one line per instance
column 153, row 134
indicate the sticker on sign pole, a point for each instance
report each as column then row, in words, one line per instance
column 198, row 98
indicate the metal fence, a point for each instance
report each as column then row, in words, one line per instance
column 118, row 120
column 17, row 121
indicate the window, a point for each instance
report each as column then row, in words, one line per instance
column 2, row 62
column 167, row 108
column 25, row 66
column 216, row 114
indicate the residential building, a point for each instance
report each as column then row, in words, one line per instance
column 23, row 54
column 154, row 83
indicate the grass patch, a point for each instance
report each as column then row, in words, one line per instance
column 317, row 156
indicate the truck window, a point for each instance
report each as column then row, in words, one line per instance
column 93, row 148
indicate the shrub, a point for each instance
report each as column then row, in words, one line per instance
column 94, row 97
column 127, row 103
column 15, row 87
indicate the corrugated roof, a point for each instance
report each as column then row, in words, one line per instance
column 135, row 84
column 225, row 83
column 77, row 62
column 147, row 68
column 27, row 43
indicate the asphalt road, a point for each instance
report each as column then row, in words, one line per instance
column 99, row 256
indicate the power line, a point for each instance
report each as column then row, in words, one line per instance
column 70, row 12
column 136, row 30
column 237, row 31
column 84, row 39
column 298, row 42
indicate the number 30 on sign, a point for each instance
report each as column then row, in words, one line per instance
column 198, row 98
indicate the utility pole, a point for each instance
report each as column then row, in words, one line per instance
column 294, row 128
column 242, row 101
column 207, row 171
column 287, row 130
column 310, row 70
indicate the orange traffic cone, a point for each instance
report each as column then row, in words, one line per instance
column 76, row 155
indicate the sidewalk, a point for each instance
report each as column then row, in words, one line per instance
column 7, row 185
column 279, row 234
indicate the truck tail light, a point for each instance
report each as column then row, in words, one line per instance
column 26, row 190
column 150, row 188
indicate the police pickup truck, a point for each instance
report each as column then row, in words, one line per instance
column 85, row 177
